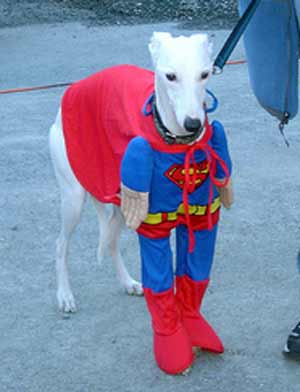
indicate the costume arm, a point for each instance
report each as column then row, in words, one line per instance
column 226, row 194
column 136, row 174
column 220, row 145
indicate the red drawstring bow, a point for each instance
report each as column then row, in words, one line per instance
column 190, row 179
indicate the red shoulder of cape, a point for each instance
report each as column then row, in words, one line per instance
column 100, row 115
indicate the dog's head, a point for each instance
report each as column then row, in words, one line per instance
column 183, row 66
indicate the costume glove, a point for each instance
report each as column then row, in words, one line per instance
column 134, row 206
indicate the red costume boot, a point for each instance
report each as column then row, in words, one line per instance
column 172, row 346
column 189, row 294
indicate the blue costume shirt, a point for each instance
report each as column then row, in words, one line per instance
column 161, row 174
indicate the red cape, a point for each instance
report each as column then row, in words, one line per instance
column 100, row 115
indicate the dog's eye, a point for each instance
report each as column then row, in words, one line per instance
column 171, row 77
column 204, row 75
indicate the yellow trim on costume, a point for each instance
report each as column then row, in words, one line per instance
column 155, row 219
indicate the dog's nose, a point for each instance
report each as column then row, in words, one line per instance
column 192, row 124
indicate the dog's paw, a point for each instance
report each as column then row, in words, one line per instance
column 197, row 351
column 134, row 288
column 186, row 372
column 66, row 301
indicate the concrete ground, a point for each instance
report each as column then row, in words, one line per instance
column 253, row 300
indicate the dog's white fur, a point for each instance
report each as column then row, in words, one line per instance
column 188, row 60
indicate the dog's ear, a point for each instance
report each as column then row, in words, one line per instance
column 155, row 44
column 205, row 42
column 210, row 45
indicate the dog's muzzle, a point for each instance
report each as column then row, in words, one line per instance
column 192, row 125
column 168, row 136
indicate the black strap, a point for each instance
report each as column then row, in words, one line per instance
column 169, row 137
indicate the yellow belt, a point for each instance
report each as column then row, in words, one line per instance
column 154, row 219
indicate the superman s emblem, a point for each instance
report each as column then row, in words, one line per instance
column 176, row 173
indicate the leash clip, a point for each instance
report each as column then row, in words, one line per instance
column 281, row 126
column 217, row 70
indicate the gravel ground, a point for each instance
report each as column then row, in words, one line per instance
column 253, row 299
column 204, row 13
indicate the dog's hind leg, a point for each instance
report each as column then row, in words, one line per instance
column 110, row 238
column 72, row 200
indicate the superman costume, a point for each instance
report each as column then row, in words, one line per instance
column 109, row 139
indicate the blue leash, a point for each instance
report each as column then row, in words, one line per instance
column 215, row 102
column 147, row 108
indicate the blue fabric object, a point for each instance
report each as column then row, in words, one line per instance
column 220, row 145
column 162, row 174
column 145, row 169
column 157, row 268
column 157, row 264
column 169, row 196
column 272, row 49
column 196, row 265
column 137, row 165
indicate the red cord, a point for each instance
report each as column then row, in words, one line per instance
column 46, row 87
column 190, row 178
column 26, row 89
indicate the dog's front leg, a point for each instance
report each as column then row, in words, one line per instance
column 72, row 200
column 71, row 207
column 64, row 295
column 114, row 229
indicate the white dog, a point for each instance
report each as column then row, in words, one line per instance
column 182, row 68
